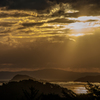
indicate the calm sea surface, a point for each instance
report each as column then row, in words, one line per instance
column 77, row 87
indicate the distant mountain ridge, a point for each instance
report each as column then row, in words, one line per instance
column 48, row 74
column 89, row 78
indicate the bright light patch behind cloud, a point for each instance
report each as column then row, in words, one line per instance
column 77, row 35
column 85, row 18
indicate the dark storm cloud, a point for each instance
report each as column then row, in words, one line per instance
column 62, row 20
column 59, row 13
column 32, row 24
column 26, row 4
column 91, row 20
column 78, row 3
column 2, row 15
column 85, row 7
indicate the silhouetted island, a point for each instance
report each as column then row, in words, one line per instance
column 20, row 77
column 89, row 78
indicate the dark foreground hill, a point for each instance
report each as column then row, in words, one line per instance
column 89, row 79
column 33, row 90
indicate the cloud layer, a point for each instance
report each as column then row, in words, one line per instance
column 37, row 34
column 86, row 7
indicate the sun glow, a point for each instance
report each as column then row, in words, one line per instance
column 83, row 26
column 84, row 22
column 77, row 26
column 85, row 18
column 79, row 34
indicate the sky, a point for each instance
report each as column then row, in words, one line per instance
column 45, row 34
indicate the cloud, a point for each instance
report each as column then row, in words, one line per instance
column 2, row 15
column 47, row 27
column 8, row 31
column 32, row 24
column 85, row 7
column 9, row 41
column 26, row 4
column 6, row 24
column 74, row 14
column 62, row 20
column 32, row 40
column 91, row 20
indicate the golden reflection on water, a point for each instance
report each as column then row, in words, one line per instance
column 79, row 90
column 77, row 87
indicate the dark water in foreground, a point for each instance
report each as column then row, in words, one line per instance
column 77, row 87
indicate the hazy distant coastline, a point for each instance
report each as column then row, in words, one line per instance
column 48, row 74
